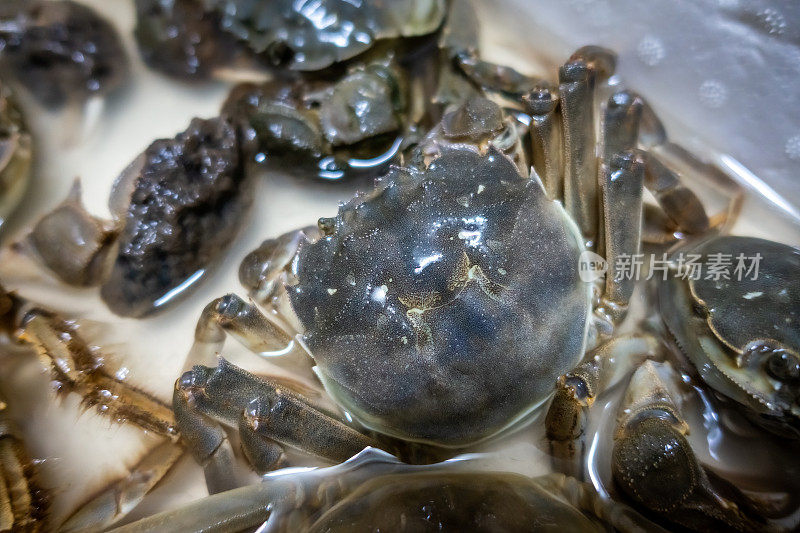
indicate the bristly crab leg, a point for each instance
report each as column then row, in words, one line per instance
column 23, row 505
column 77, row 367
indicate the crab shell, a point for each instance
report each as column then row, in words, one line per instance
column 311, row 36
column 743, row 335
column 431, row 500
column 442, row 307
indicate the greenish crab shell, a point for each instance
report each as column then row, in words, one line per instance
column 743, row 335
column 442, row 306
column 311, row 35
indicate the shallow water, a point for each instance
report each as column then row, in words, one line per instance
column 80, row 452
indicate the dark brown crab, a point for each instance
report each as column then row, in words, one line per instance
column 175, row 209
column 62, row 52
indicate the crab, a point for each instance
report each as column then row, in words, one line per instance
column 198, row 39
column 742, row 334
column 350, row 126
column 743, row 350
column 441, row 307
column 374, row 491
column 61, row 52
column 175, row 208
column 16, row 152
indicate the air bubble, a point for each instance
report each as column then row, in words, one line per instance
column 793, row 147
column 650, row 50
column 713, row 93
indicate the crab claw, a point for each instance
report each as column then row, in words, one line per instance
column 654, row 465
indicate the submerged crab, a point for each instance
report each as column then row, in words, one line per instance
column 182, row 39
column 352, row 125
column 373, row 491
column 439, row 308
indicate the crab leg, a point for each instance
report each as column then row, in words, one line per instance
column 546, row 141
column 208, row 443
column 584, row 497
column 654, row 465
column 244, row 321
column 602, row 61
column 622, row 216
column 580, row 163
column 277, row 416
column 261, row 269
column 576, row 391
column 675, row 156
column 239, row 509
column 22, row 503
column 621, row 120
column 621, row 181
column 122, row 496
column 76, row 367
column 679, row 203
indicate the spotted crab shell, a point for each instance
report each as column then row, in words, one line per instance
column 442, row 306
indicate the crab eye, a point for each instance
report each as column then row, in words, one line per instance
column 783, row 366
